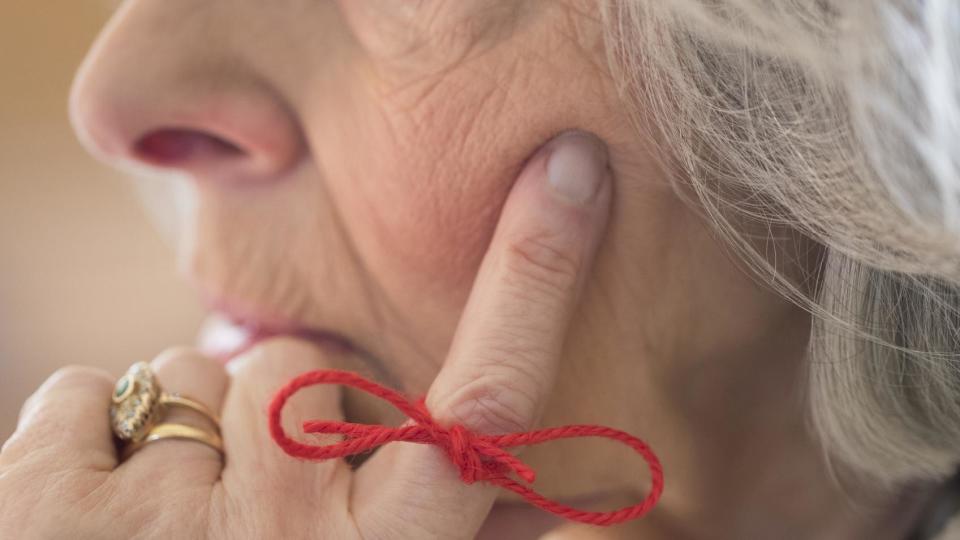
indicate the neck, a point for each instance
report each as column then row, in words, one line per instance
column 708, row 367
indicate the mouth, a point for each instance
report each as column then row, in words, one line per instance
column 225, row 337
column 227, row 334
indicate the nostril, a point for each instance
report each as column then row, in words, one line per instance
column 182, row 147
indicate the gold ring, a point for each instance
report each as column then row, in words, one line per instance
column 139, row 404
column 176, row 400
column 175, row 431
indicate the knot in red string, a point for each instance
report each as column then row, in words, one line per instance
column 477, row 457
column 460, row 448
column 457, row 442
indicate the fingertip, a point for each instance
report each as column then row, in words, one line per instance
column 563, row 195
column 576, row 168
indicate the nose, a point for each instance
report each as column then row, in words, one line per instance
column 154, row 91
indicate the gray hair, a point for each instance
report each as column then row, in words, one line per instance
column 838, row 120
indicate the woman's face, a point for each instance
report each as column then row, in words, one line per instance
column 349, row 162
column 350, row 158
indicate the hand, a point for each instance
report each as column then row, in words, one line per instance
column 60, row 475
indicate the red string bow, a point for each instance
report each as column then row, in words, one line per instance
column 477, row 457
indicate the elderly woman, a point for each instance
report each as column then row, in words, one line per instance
column 728, row 227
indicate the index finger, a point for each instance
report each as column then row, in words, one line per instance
column 504, row 357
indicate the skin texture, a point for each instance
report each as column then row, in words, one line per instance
column 351, row 161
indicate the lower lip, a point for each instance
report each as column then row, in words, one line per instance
column 225, row 340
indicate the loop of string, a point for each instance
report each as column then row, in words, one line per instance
column 479, row 458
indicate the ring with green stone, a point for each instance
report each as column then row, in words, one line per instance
column 139, row 403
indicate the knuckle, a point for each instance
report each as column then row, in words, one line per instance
column 74, row 378
column 514, row 352
column 80, row 377
column 543, row 262
column 13, row 450
column 496, row 404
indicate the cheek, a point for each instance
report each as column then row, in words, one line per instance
column 419, row 172
column 431, row 211
column 431, row 172
column 421, row 190
column 419, row 194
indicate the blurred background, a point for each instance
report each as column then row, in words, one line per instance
column 84, row 276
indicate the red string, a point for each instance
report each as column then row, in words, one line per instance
column 477, row 457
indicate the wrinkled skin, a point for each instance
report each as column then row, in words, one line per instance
column 350, row 164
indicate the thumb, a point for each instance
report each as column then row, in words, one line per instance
column 504, row 356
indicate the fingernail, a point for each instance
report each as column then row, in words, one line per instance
column 576, row 166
